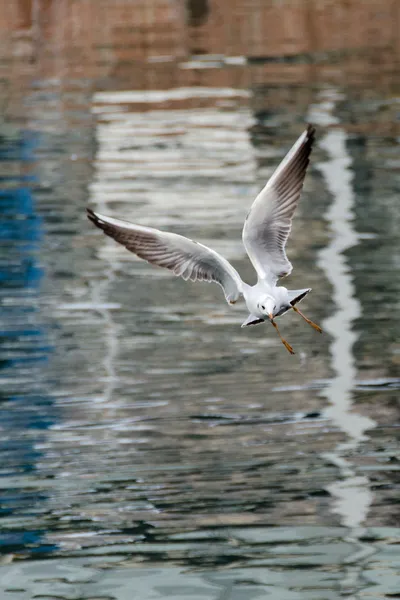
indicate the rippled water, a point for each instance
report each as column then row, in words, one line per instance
column 151, row 448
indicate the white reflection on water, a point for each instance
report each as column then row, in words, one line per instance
column 183, row 93
column 351, row 492
column 137, row 156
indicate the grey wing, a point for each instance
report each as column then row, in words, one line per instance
column 184, row 257
column 269, row 221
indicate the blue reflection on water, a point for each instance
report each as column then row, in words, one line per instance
column 26, row 407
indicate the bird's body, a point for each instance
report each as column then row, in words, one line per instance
column 258, row 295
column 265, row 233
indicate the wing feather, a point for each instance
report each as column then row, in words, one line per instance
column 184, row 257
column 269, row 221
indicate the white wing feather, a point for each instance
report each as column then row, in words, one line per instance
column 184, row 257
column 269, row 221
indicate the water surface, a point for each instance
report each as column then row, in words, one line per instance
column 151, row 448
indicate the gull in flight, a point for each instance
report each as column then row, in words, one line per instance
column 265, row 233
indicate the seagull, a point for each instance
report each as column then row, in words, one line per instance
column 265, row 233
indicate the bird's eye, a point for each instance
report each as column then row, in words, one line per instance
column 262, row 306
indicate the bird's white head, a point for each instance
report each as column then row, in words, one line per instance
column 267, row 306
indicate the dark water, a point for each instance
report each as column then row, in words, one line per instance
column 151, row 448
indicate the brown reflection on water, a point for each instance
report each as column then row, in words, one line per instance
column 107, row 44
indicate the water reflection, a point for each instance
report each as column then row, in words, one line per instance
column 150, row 444
column 27, row 409
column 351, row 491
column 354, row 498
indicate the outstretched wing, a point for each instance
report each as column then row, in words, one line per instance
column 184, row 257
column 268, row 224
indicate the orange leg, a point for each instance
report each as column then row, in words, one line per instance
column 284, row 342
column 316, row 327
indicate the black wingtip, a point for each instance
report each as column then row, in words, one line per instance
column 92, row 216
column 310, row 131
column 94, row 219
